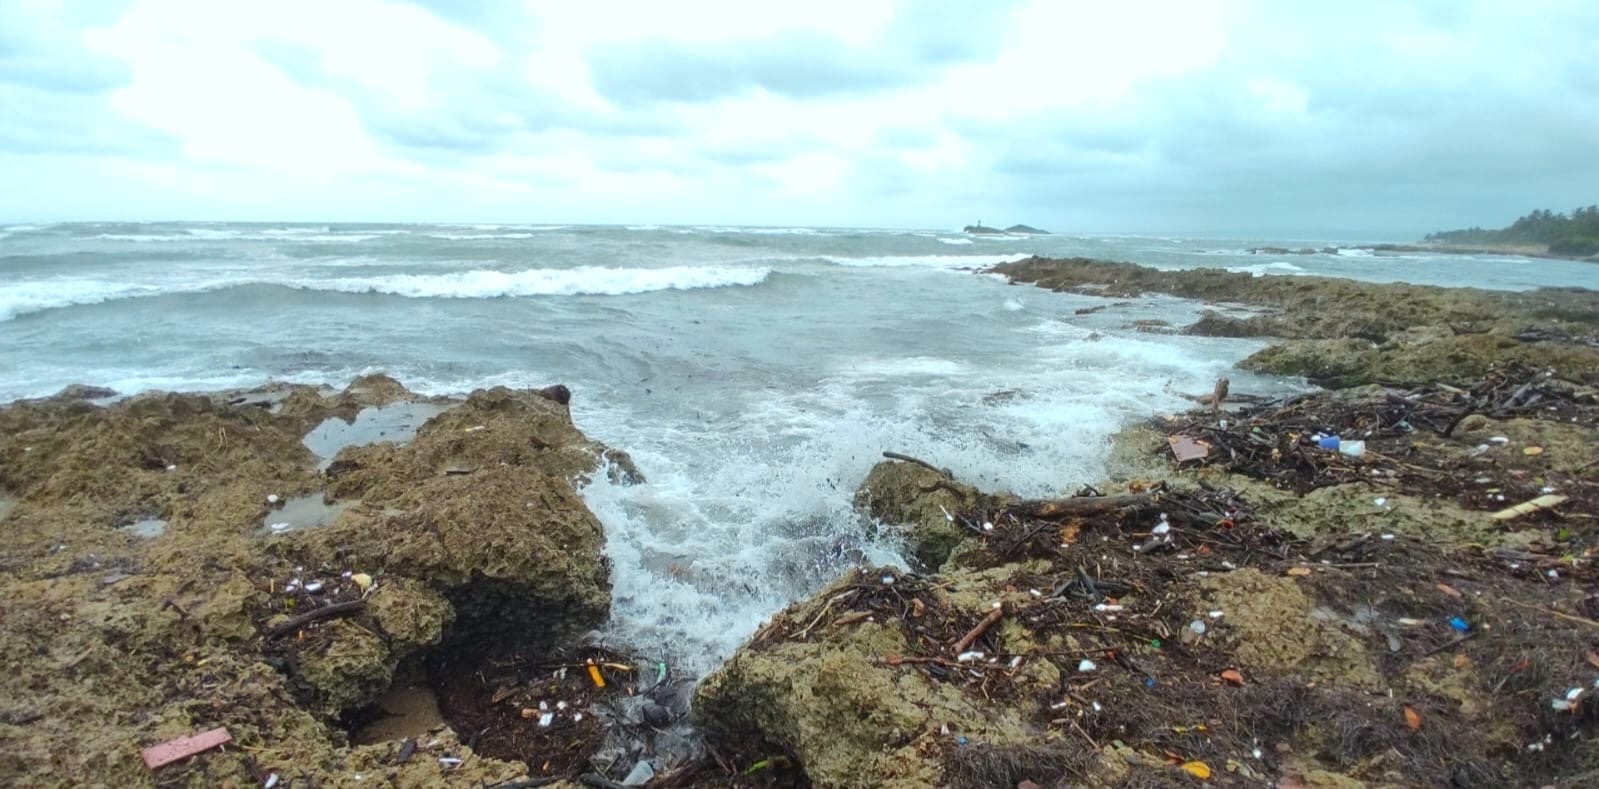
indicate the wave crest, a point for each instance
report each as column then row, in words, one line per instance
column 582, row 281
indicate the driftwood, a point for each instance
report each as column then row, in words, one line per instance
column 1529, row 507
column 977, row 632
column 918, row 461
column 1085, row 505
column 325, row 612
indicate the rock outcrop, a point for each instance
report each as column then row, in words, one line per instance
column 919, row 504
column 116, row 640
column 1277, row 617
column 1342, row 333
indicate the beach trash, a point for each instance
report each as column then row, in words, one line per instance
column 1329, row 443
column 184, row 747
column 1353, row 449
column 641, row 774
column 1186, row 448
column 1459, row 624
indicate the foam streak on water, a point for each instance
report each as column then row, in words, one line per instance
column 755, row 374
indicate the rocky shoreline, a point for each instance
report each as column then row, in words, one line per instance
column 1521, row 250
column 1238, row 603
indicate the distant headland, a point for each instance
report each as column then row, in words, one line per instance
column 1541, row 232
column 1020, row 230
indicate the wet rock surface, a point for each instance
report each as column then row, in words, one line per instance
column 918, row 503
column 1342, row 333
column 145, row 600
column 1275, row 613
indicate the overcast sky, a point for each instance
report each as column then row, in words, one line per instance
column 1187, row 116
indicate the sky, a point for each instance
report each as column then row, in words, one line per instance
column 1190, row 116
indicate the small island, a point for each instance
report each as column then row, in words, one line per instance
column 1542, row 231
column 1019, row 230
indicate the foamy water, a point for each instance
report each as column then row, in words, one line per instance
column 755, row 374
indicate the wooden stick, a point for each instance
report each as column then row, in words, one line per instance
column 325, row 612
column 1529, row 507
column 1086, row 505
column 918, row 461
column 1451, row 644
column 1568, row 617
column 977, row 632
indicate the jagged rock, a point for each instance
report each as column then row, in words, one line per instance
column 923, row 502
column 84, row 392
column 1027, row 230
column 179, row 640
column 851, row 720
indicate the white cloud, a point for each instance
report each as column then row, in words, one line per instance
column 1203, row 114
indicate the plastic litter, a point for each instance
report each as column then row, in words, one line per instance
column 1186, row 448
column 183, row 747
column 1460, row 624
column 1328, row 442
column 1352, row 448
column 594, row 674
column 641, row 774
column 1086, row 666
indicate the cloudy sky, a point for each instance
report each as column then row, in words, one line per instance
column 1185, row 116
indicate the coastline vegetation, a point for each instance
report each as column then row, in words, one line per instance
column 1576, row 234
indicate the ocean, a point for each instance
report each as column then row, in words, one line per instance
column 755, row 374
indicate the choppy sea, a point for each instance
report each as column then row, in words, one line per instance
column 755, row 374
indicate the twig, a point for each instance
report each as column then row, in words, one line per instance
column 977, row 632
column 1568, row 617
column 1079, row 730
column 325, row 612
column 918, row 461
column 1447, row 645
column 1088, row 584
column 598, row 781
column 532, row 783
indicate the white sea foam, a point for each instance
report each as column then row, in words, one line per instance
column 1269, row 269
column 476, row 236
column 22, row 298
column 956, row 241
column 585, row 280
column 759, row 514
column 924, row 261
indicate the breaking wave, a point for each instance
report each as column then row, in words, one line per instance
column 1269, row 269
column 582, row 281
column 925, row 261
column 22, row 298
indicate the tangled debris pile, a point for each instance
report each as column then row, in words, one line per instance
column 1207, row 624
column 1516, row 436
